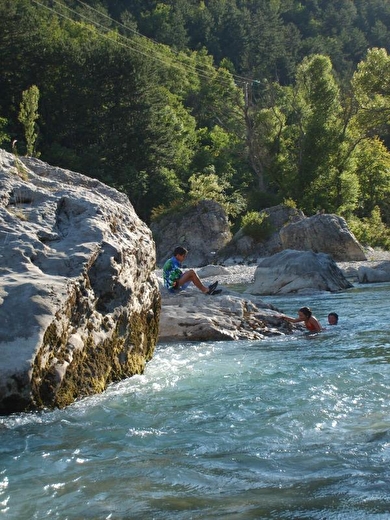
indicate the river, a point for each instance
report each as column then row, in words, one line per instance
column 291, row 427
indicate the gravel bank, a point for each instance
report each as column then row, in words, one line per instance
column 232, row 275
column 374, row 257
column 243, row 274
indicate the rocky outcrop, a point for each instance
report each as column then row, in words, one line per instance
column 202, row 228
column 379, row 273
column 365, row 271
column 297, row 272
column 190, row 315
column 291, row 229
column 193, row 316
column 323, row 234
column 79, row 299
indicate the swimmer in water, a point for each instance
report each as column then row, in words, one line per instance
column 305, row 315
column 333, row 318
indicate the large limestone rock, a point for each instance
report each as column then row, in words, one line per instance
column 291, row 229
column 378, row 274
column 323, row 233
column 190, row 315
column 203, row 229
column 297, row 272
column 193, row 316
column 79, row 300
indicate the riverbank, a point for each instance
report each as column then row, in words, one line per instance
column 244, row 274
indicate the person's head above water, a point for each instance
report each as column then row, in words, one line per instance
column 305, row 311
column 333, row 318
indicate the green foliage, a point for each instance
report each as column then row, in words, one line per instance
column 256, row 225
column 174, row 208
column 315, row 150
column 298, row 138
column 251, row 98
column 372, row 90
column 207, row 186
column 166, row 188
column 320, row 122
column 4, row 137
column 258, row 200
column 28, row 115
column 289, row 203
column 347, row 196
column 211, row 187
column 371, row 231
column 374, row 178
column 63, row 156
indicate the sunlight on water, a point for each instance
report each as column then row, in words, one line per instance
column 288, row 428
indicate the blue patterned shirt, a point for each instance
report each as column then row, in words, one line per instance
column 171, row 273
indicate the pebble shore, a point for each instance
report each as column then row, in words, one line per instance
column 243, row 274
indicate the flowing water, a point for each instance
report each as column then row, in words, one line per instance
column 288, row 428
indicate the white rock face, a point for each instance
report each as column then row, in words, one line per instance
column 193, row 316
column 203, row 229
column 323, row 234
column 381, row 273
column 297, row 272
column 79, row 301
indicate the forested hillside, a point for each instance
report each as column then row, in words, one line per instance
column 249, row 102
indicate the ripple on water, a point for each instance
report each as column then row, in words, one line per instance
column 282, row 428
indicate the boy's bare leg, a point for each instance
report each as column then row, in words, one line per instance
column 191, row 276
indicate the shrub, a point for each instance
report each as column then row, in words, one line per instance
column 256, row 225
column 290, row 203
column 176, row 207
column 371, row 231
column 211, row 187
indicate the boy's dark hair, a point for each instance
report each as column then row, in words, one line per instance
column 335, row 315
column 180, row 251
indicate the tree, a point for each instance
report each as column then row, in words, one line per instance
column 3, row 134
column 302, row 142
column 300, row 136
column 373, row 160
column 371, row 86
column 28, row 116
column 166, row 24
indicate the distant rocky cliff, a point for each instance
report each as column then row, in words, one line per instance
column 79, row 301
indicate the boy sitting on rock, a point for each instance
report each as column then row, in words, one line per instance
column 175, row 279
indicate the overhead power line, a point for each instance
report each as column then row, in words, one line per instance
column 112, row 20
column 103, row 35
column 134, row 44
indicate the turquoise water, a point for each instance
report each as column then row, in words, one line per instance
column 288, row 428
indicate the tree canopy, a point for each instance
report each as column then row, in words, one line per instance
column 266, row 100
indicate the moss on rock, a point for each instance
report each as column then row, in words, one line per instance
column 61, row 376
